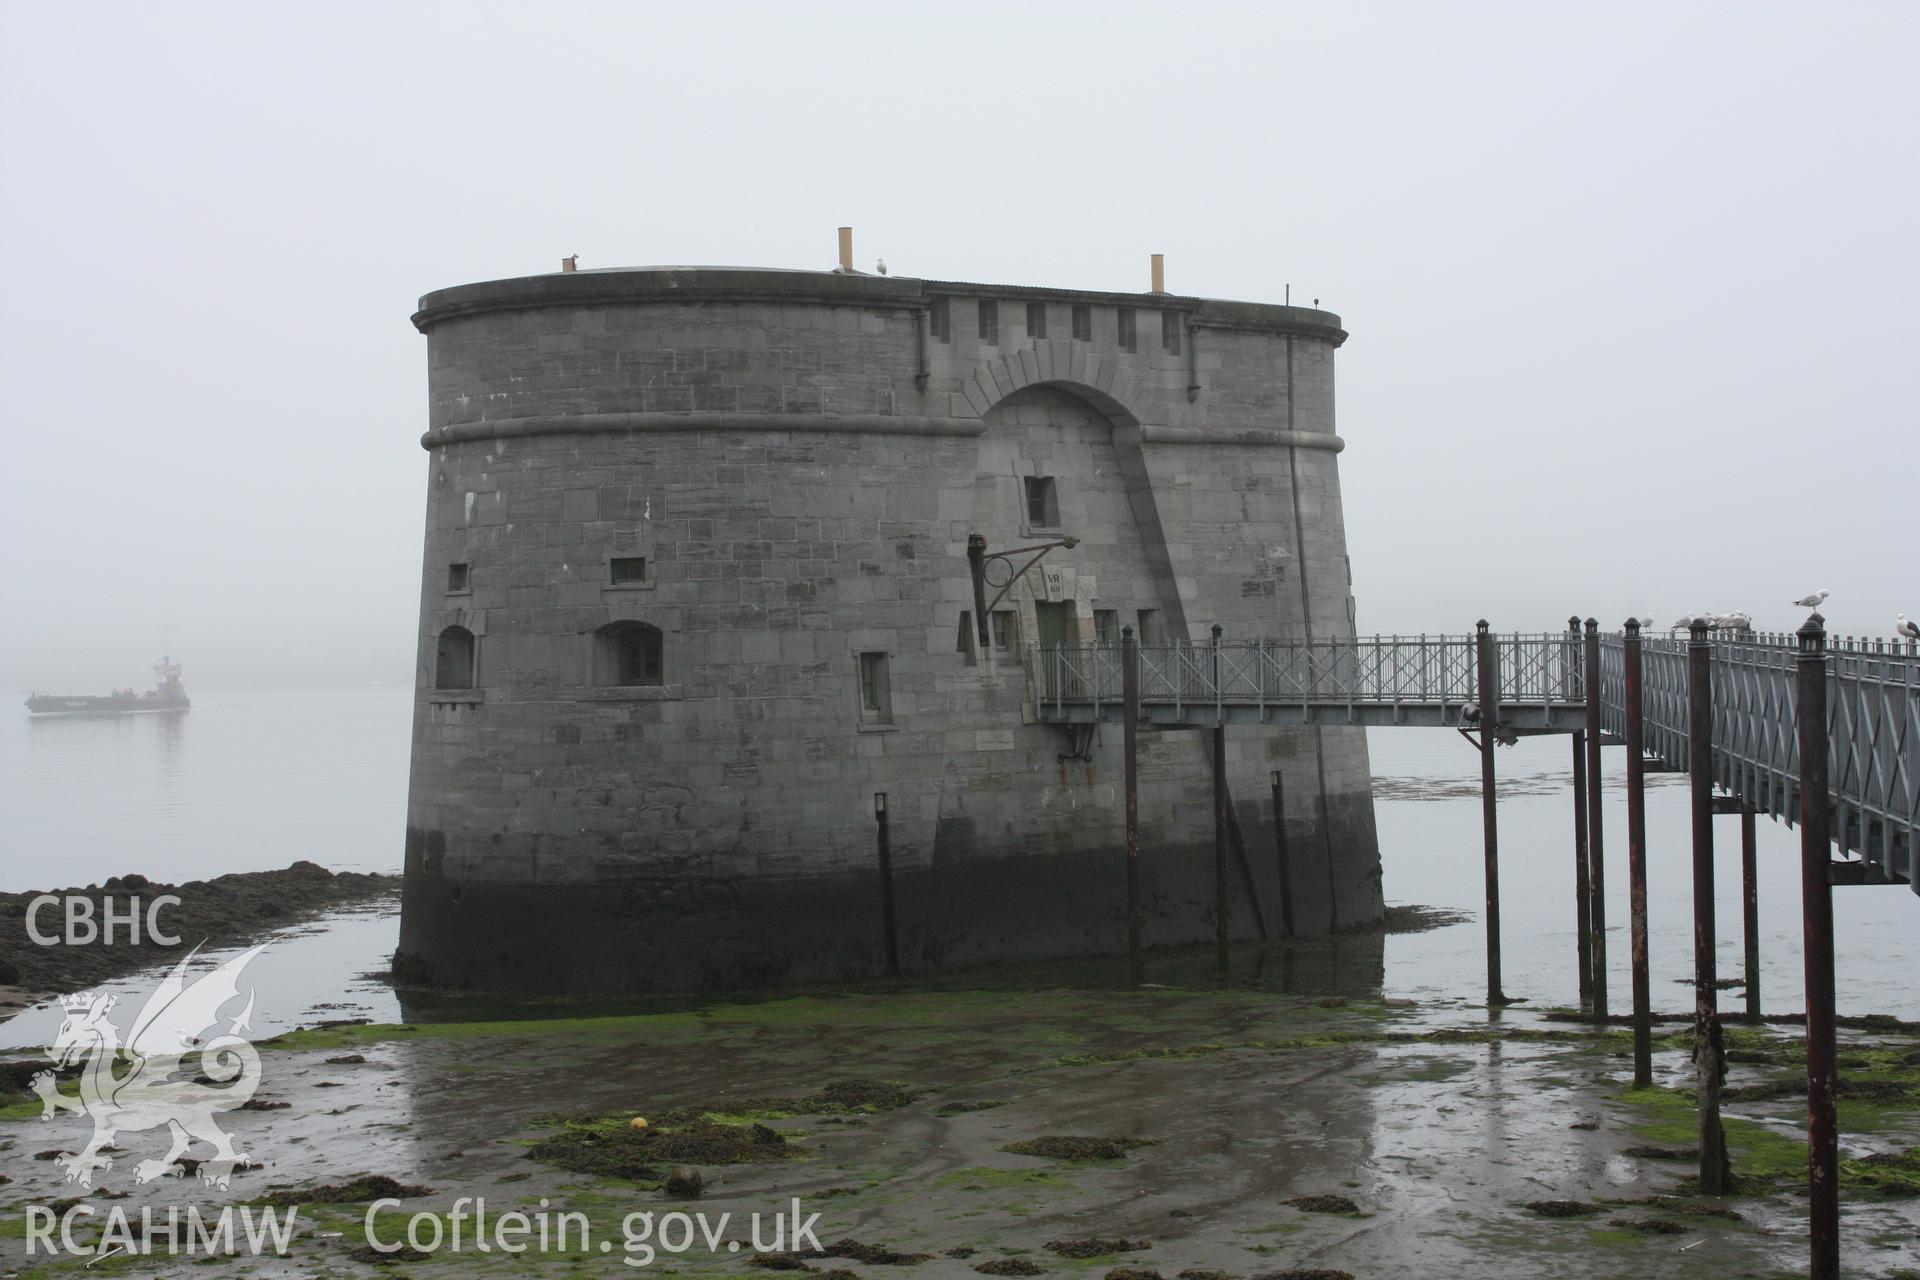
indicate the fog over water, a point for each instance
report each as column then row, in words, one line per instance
column 1629, row 284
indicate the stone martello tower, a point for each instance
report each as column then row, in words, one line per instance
column 696, row 591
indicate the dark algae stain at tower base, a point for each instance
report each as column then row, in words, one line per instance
column 697, row 610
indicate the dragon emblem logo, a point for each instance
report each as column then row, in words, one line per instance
column 163, row 1074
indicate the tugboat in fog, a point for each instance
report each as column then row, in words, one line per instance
column 171, row 695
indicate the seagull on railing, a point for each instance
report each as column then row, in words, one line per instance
column 1685, row 621
column 1905, row 628
column 1813, row 601
column 1733, row 622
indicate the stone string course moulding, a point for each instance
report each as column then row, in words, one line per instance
column 667, row 782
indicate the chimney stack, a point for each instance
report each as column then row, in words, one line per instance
column 570, row 262
column 846, row 248
column 1159, row 273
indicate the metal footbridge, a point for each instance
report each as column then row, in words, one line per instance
column 1539, row 685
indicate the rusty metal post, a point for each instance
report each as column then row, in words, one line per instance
column 1129, row 733
column 1222, row 907
column 1750, row 909
column 1484, row 659
column 1709, row 1062
column 1583, row 928
column 1816, row 902
column 1281, row 852
column 1583, row 907
column 1596, row 844
column 886, row 887
column 1635, row 710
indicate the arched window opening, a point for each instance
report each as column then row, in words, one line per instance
column 630, row 653
column 453, row 659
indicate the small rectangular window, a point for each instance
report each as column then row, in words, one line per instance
column 1170, row 331
column 1082, row 322
column 1043, row 502
column 1149, row 629
column 1036, row 320
column 628, row 569
column 876, row 695
column 989, row 322
column 940, row 320
column 1006, row 629
column 1106, row 626
column 459, row 577
column 1128, row 339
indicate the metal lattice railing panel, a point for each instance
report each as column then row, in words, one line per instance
column 1873, row 706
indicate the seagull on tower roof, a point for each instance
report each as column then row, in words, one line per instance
column 1812, row 601
column 881, row 266
column 1905, row 628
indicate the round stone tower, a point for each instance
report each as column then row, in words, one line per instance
column 697, row 602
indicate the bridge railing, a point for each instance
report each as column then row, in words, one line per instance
column 1873, row 732
column 1534, row 669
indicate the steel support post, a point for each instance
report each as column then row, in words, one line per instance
column 1484, row 660
column 1129, row 733
column 1709, row 1062
column 1634, row 709
column 1582, row 905
column 1281, row 853
column 1816, row 901
column 1750, row 909
column 1222, row 907
column 890, row 937
column 1596, row 844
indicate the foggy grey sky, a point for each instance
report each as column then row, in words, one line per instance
column 1631, row 287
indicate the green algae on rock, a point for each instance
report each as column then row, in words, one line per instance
column 364, row 1187
column 1056, row 1146
column 1095, row 1246
column 610, row 1147
column 1323, row 1204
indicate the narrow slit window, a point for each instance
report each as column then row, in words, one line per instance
column 1106, row 626
column 876, row 693
column 1043, row 502
column 1170, row 332
column 1082, row 322
column 627, row 570
column 1129, row 338
column 1036, row 320
column 940, row 320
column 989, row 322
column 1149, row 629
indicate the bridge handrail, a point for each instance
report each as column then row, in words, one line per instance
column 1538, row 669
column 1873, row 704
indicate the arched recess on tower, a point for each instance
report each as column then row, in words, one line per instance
column 1088, row 438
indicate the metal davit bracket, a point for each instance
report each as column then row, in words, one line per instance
column 996, row 569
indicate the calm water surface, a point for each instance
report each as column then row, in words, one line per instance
column 253, row 779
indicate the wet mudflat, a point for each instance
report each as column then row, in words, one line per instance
column 1246, row 1133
